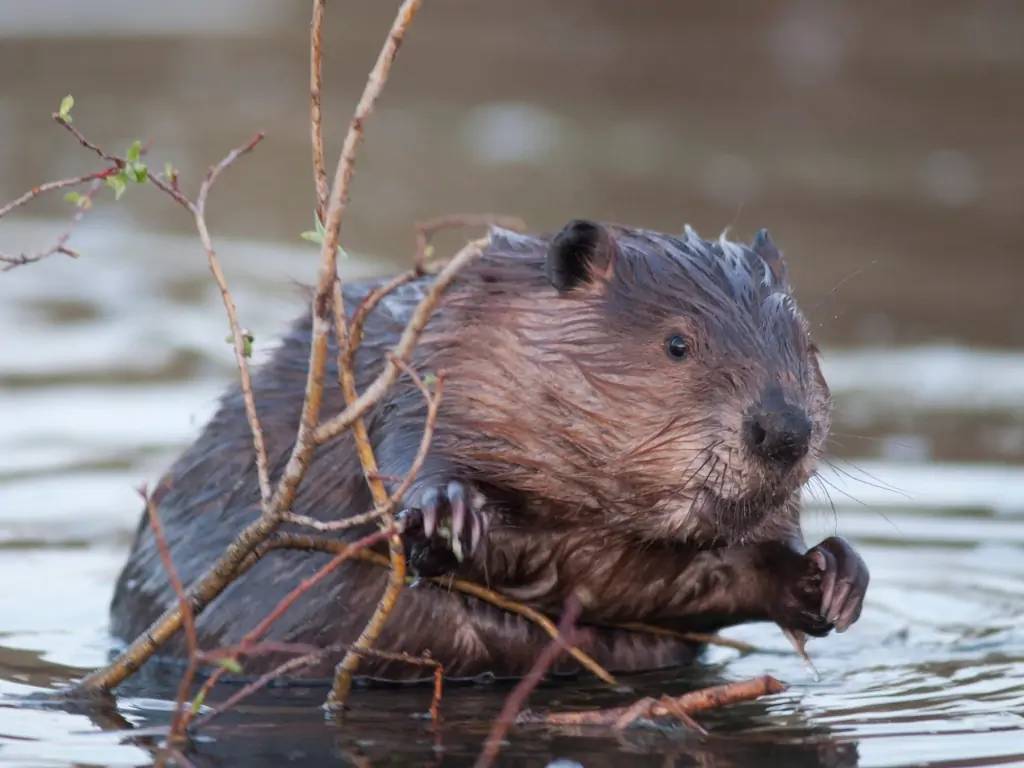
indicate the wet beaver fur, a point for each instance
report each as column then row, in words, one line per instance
column 628, row 415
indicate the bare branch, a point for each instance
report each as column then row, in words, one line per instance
column 410, row 336
column 316, row 28
column 694, row 701
column 60, row 245
column 306, row 441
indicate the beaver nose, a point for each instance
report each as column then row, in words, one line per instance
column 778, row 432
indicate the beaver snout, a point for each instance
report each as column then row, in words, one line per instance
column 778, row 431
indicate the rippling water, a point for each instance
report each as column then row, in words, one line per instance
column 883, row 151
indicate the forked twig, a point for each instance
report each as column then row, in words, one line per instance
column 308, row 436
column 251, row 637
column 689, row 703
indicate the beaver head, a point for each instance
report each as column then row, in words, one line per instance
column 662, row 385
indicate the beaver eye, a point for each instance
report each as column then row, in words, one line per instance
column 677, row 347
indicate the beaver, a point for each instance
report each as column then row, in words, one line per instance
column 628, row 416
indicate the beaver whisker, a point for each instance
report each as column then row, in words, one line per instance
column 879, row 484
column 843, row 491
column 658, row 433
column 710, row 451
column 832, row 504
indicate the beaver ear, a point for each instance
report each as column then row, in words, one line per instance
column 770, row 255
column 582, row 251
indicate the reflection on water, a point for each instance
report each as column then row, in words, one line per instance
column 830, row 124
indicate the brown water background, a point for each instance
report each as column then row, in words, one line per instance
column 880, row 143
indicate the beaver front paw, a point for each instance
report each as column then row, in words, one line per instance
column 444, row 524
column 828, row 592
column 844, row 581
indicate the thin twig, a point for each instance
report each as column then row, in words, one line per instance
column 371, row 632
column 429, row 425
column 568, row 636
column 330, row 526
column 180, row 721
column 316, row 28
column 216, row 170
column 425, row 230
column 366, row 306
column 118, row 161
column 52, row 186
column 237, row 333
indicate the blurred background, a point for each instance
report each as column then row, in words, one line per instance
column 880, row 143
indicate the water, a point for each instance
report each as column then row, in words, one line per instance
column 883, row 152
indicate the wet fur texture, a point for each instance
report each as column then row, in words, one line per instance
column 602, row 465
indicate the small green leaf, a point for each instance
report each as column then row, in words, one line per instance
column 118, row 184
column 197, row 702
column 317, row 234
column 169, row 170
column 82, row 201
column 65, row 108
column 429, row 380
column 137, row 171
column 230, row 664
column 134, row 152
column 247, row 340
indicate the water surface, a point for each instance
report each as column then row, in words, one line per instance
column 882, row 148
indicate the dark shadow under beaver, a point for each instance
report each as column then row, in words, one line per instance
column 628, row 415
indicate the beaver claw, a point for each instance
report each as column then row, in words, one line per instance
column 844, row 581
column 444, row 524
column 829, row 592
